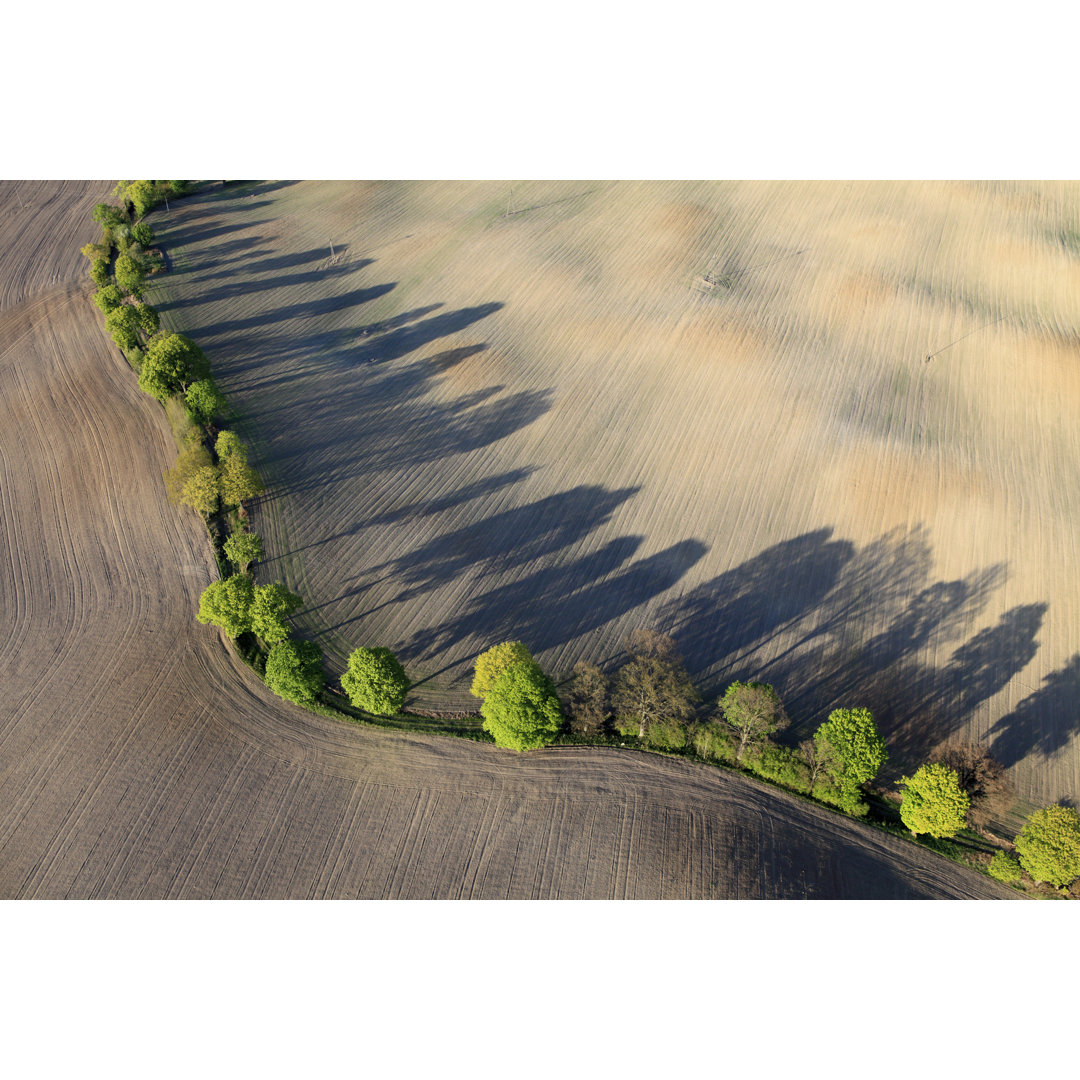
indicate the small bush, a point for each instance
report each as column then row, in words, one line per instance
column 99, row 271
column 134, row 357
column 715, row 742
column 664, row 735
column 781, row 765
column 1005, row 868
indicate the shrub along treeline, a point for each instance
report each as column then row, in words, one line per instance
column 649, row 702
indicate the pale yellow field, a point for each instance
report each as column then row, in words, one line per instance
column 547, row 424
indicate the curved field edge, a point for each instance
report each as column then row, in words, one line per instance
column 141, row 759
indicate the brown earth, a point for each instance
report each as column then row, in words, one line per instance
column 139, row 759
column 701, row 407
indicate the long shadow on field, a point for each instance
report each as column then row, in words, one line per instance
column 831, row 625
column 1043, row 723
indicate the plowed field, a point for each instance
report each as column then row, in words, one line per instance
column 138, row 759
column 824, row 434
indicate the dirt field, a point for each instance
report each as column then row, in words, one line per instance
column 569, row 410
column 137, row 759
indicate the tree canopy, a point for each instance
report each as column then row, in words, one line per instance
column 239, row 480
column 201, row 490
column 855, row 749
column 493, row 662
column 1049, row 845
column 270, row 606
column 172, row 362
column 108, row 298
column 521, row 710
column 754, row 710
column 375, row 681
column 294, row 671
column 227, row 604
column 129, row 274
column 243, row 548
column 204, row 401
column 934, row 802
column 652, row 691
column 587, row 699
column 123, row 326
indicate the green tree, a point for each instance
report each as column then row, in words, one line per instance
column 107, row 216
column 1049, row 845
column 934, row 801
column 201, row 490
column 587, row 699
column 148, row 319
column 849, row 739
column 143, row 197
column 108, row 298
column 142, row 234
column 96, row 252
column 375, row 681
column 493, row 662
column 754, row 710
column 128, row 272
column 271, row 605
column 123, row 326
column 192, row 457
column 172, row 363
column 294, row 671
column 99, row 272
column 243, row 548
column 715, row 741
column 227, row 604
column 204, row 401
column 239, row 480
column 522, row 710
column 1005, row 868
column 652, row 690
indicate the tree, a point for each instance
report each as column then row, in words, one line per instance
column 142, row 234
column 108, row 298
column 106, row 215
column 243, row 548
column 201, row 490
column 493, row 662
column 227, row 604
column 652, row 690
column 204, row 401
column 193, row 457
column 933, row 801
column 521, row 710
column 816, row 756
column 239, row 481
column 294, row 671
column 271, row 605
column 148, row 319
column 754, row 710
column 129, row 274
column 1049, row 845
column 981, row 776
column 123, row 326
column 143, row 197
column 172, row 363
column 849, row 739
column 99, row 272
column 375, row 681
column 587, row 700
column 1005, row 868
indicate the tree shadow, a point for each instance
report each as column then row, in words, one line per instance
column 1045, row 722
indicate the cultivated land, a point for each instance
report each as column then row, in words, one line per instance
column 706, row 408
column 138, row 758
